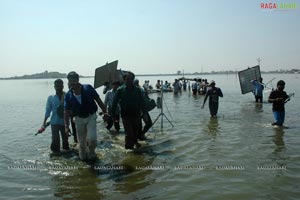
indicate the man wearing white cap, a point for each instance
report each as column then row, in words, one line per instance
column 213, row 93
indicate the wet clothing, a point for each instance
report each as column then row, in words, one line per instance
column 86, row 135
column 74, row 132
column 278, row 107
column 132, row 104
column 279, row 118
column 195, row 88
column 258, row 91
column 148, row 123
column 55, row 144
column 145, row 117
column 213, row 95
column 131, row 126
column 84, row 108
column 177, row 87
column 184, row 85
column 108, row 103
column 57, row 123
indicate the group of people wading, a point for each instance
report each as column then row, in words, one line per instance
column 79, row 105
column 128, row 101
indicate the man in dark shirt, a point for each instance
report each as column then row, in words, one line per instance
column 278, row 97
column 214, row 93
column 80, row 102
column 131, row 102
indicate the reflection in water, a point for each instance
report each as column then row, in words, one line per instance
column 137, row 167
column 84, row 181
column 278, row 140
column 213, row 126
column 259, row 107
column 81, row 183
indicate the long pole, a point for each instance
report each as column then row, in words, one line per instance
column 162, row 102
column 258, row 60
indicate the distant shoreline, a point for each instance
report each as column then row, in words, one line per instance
column 52, row 75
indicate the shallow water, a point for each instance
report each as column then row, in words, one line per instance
column 236, row 156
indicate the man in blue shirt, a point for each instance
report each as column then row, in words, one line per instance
column 55, row 105
column 258, row 89
column 80, row 101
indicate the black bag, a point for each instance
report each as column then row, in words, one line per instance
column 149, row 104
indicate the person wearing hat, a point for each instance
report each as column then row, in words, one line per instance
column 278, row 97
column 213, row 93
column 80, row 101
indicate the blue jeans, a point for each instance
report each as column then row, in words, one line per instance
column 279, row 117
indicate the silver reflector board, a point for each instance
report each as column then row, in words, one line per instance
column 246, row 76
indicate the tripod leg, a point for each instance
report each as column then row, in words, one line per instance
column 168, row 119
column 156, row 119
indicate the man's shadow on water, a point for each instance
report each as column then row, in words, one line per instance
column 81, row 183
column 212, row 127
column 278, row 140
column 259, row 107
column 130, row 172
column 73, row 178
column 131, row 167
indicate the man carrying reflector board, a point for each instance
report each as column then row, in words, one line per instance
column 246, row 76
column 258, row 89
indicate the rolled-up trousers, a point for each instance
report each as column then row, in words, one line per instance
column 86, row 136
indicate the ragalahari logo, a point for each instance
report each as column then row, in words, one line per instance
column 278, row 6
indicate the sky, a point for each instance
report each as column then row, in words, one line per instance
column 146, row 36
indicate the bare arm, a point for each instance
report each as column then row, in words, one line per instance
column 270, row 100
column 101, row 104
column 45, row 120
column 204, row 100
column 221, row 93
column 67, row 114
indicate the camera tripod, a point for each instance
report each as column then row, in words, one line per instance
column 160, row 105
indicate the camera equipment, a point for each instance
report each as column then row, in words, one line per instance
column 160, row 101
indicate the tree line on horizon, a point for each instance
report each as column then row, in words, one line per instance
column 51, row 75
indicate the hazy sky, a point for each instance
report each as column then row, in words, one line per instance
column 146, row 36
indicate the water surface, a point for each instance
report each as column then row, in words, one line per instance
column 236, row 156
